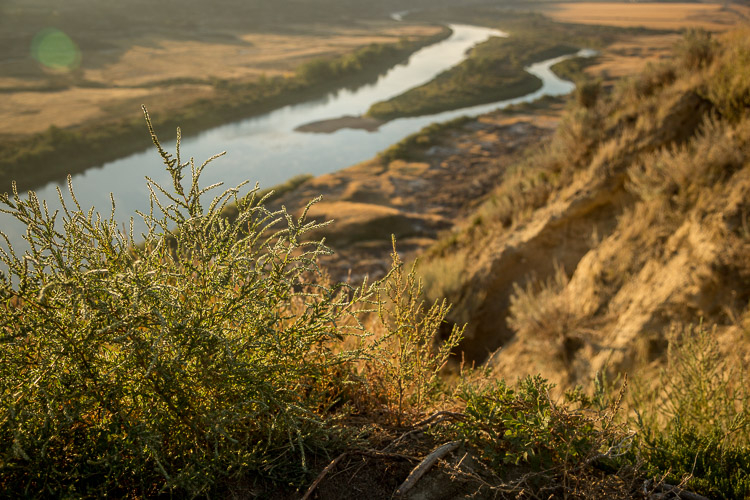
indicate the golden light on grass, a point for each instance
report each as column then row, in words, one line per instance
column 651, row 15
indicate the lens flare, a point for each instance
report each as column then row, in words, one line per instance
column 54, row 49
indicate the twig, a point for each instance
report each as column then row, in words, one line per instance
column 322, row 475
column 435, row 418
column 421, row 469
column 666, row 488
column 451, row 414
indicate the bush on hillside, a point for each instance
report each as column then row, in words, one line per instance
column 214, row 352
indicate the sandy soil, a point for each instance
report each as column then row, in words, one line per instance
column 152, row 71
column 671, row 16
column 334, row 124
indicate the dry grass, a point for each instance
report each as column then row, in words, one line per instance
column 154, row 71
column 631, row 54
column 666, row 16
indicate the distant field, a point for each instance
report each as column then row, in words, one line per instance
column 114, row 82
column 670, row 16
column 629, row 54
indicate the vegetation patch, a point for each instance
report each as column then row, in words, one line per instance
column 217, row 358
column 410, row 147
column 639, row 162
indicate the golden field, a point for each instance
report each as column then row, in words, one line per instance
column 661, row 16
column 151, row 71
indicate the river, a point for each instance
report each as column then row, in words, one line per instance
column 267, row 149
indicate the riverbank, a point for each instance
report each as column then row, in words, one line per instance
column 449, row 167
column 334, row 124
column 51, row 155
column 495, row 69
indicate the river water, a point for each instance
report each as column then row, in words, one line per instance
column 267, row 149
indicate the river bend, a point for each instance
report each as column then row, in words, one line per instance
column 267, row 149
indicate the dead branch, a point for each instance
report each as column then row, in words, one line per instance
column 322, row 475
column 435, row 418
column 450, row 414
column 664, row 489
column 421, row 469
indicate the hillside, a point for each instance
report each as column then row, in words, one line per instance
column 618, row 247
column 626, row 225
column 629, row 224
column 596, row 252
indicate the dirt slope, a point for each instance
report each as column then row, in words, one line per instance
column 629, row 227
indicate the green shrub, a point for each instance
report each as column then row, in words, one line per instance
column 703, row 461
column 408, row 378
column 694, row 426
column 212, row 353
column 526, row 443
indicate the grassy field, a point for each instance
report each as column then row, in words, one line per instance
column 155, row 70
column 661, row 16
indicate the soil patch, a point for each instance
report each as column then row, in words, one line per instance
column 334, row 124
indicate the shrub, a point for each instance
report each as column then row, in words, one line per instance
column 728, row 85
column 527, row 444
column 212, row 353
column 587, row 93
column 409, row 377
column 696, row 49
column 695, row 426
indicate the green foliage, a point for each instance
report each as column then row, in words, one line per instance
column 214, row 353
column 409, row 147
column 522, row 429
column 210, row 353
column 695, row 425
column 409, row 377
column 704, row 461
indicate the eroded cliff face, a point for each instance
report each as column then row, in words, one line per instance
column 631, row 226
column 578, row 241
